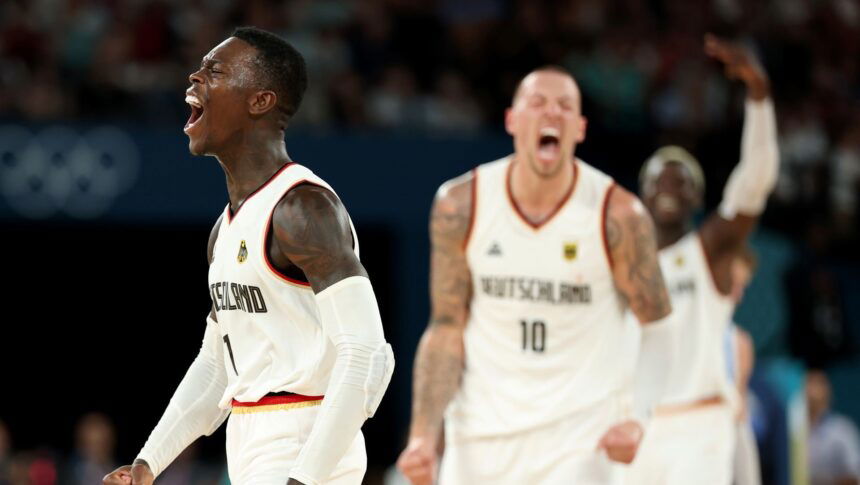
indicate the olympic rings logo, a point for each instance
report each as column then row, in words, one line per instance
column 59, row 171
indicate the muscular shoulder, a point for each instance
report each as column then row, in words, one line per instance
column 309, row 203
column 632, row 244
column 213, row 236
column 452, row 210
column 624, row 211
column 311, row 228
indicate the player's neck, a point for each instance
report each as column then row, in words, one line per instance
column 250, row 165
column 538, row 196
column 669, row 234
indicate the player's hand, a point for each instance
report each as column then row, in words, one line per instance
column 137, row 474
column 622, row 441
column 740, row 63
column 418, row 461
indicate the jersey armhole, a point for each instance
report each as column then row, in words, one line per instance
column 300, row 281
column 603, row 214
column 472, row 210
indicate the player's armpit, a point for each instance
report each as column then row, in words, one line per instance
column 632, row 245
column 311, row 228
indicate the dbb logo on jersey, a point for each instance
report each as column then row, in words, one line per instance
column 570, row 251
column 243, row 252
column 234, row 296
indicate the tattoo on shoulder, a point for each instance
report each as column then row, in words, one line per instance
column 613, row 233
column 633, row 242
column 450, row 279
column 450, row 218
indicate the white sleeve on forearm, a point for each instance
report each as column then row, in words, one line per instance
column 193, row 410
column 361, row 373
column 752, row 181
column 657, row 353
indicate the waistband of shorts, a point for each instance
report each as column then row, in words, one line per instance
column 276, row 401
column 674, row 409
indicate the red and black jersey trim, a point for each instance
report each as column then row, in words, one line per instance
column 232, row 215
column 558, row 207
column 299, row 279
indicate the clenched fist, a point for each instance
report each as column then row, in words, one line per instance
column 137, row 474
column 622, row 441
column 418, row 462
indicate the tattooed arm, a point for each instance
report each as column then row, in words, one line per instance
column 440, row 357
column 312, row 230
column 636, row 271
column 633, row 251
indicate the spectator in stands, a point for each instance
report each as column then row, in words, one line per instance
column 834, row 444
column 93, row 457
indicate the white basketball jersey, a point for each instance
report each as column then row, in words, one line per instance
column 700, row 317
column 269, row 322
column 546, row 322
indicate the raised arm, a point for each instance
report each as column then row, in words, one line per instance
column 440, row 357
column 753, row 179
column 312, row 229
column 192, row 412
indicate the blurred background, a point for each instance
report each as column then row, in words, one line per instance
column 104, row 216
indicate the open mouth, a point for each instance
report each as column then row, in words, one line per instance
column 548, row 143
column 196, row 111
column 667, row 203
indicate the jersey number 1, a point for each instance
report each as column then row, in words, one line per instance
column 230, row 351
column 534, row 335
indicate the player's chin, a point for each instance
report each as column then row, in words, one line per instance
column 668, row 218
column 548, row 167
column 196, row 146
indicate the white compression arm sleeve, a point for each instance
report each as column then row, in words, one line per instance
column 362, row 371
column 657, row 353
column 752, row 181
column 193, row 410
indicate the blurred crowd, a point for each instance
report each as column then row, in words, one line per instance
column 91, row 459
column 449, row 66
column 832, row 443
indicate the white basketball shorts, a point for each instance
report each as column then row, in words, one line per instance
column 695, row 446
column 265, row 438
column 563, row 452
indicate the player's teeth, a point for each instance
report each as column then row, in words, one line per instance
column 666, row 202
column 549, row 131
column 193, row 101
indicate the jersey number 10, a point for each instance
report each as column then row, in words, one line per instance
column 534, row 335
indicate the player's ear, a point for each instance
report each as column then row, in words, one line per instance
column 261, row 102
column 580, row 129
column 510, row 121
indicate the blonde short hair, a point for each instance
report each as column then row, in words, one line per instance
column 672, row 153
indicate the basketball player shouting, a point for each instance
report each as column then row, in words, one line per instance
column 690, row 438
column 294, row 315
column 535, row 258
